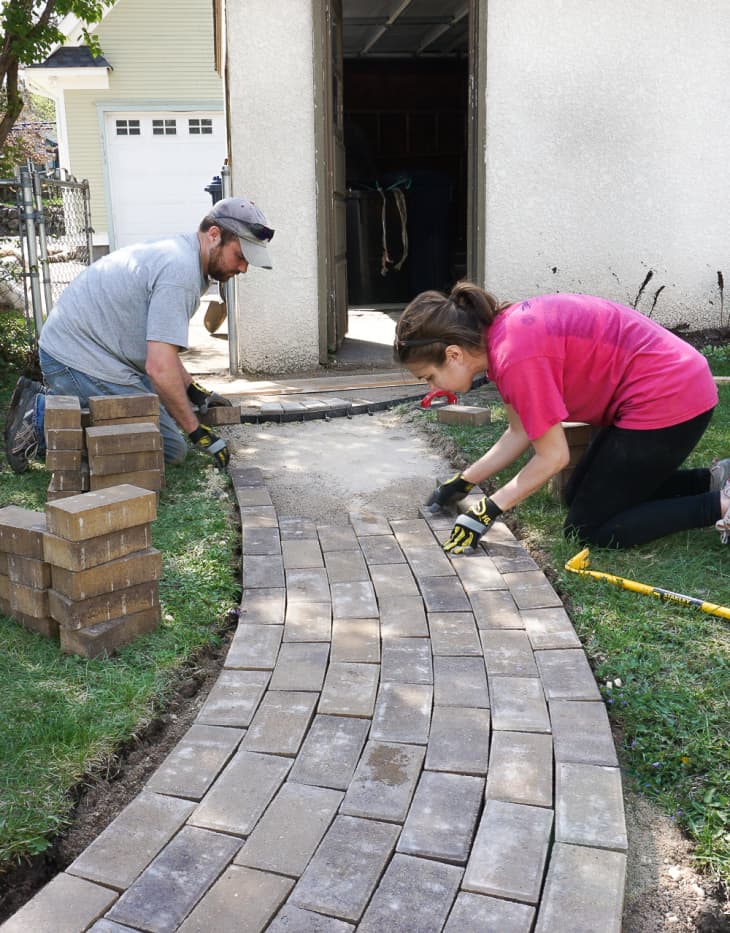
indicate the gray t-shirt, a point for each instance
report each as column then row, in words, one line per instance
column 101, row 323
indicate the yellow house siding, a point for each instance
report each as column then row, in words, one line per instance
column 162, row 53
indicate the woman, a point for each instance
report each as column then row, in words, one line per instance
column 558, row 358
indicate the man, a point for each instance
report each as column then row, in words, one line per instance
column 119, row 327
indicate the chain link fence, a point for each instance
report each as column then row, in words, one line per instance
column 45, row 241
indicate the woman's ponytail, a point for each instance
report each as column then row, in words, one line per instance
column 434, row 321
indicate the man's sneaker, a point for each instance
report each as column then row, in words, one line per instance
column 719, row 474
column 21, row 440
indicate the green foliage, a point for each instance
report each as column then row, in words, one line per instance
column 27, row 139
column 30, row 30
column 16, row 343
column 30, row 39
column 664, row 671
column 63, row 718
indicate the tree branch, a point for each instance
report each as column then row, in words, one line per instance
column 15, row 103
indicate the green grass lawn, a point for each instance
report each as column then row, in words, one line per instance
column 62, row 717
column 664, row 671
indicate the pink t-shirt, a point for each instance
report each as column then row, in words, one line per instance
column 578, row 358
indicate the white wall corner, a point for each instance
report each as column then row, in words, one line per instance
column 271, row 123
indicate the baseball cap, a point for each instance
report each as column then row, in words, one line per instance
column 245, row 219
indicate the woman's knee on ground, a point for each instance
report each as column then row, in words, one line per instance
column 587, row 533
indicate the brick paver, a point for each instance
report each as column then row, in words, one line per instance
column 174, row 882
column 130, row 842
column 346, row 868
column 192, row 766
column 584, row 890
column 398, row 741
column 234, row 698
column 521, row 768
column 384, row 781
column 300, row 666
column 241, row 793
column 349, row 689
column 287, row 835
column 241, row 901
column 414, row 894
column 65, row 905
column 442, row 817
column 458, row 740
column 510, row 850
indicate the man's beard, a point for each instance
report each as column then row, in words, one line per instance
column 214, row 270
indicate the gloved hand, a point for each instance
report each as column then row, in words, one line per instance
column 449, row 493
column 204, row 399
column 211, row 444
column 469, row 527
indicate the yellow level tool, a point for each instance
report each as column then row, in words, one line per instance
column 581, row 562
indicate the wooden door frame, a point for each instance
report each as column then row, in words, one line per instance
column 476, row 189
column 476, row 149
column 322, row 127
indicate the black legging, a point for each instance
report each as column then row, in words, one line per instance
column 627, row 488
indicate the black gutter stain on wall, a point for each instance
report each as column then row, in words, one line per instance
column 648, row 278
column 721, row 286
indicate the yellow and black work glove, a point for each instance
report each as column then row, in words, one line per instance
column 203, row 398
column 449, row 493
column 211, row 444
column 471, row 526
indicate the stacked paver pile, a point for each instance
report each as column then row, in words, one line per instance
column 65, row 447
column 123, row 442
column 117, row 440
column 104, row 574
column 578, row 435
column 24, row 573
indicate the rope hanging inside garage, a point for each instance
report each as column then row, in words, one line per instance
column 400, row 201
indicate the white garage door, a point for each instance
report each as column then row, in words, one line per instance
column 159, row 164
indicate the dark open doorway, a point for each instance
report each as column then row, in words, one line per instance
column 405, row 99
column 405, row 140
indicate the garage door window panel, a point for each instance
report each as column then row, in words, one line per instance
column 164, row 127
column 128, row 128
column 200, row 126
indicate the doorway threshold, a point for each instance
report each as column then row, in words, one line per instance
column 396, row 307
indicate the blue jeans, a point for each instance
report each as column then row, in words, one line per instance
column 63, row 380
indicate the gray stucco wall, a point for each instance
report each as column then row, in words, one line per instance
column 608, row 128
column 270, row 88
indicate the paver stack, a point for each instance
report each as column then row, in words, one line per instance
column 24, row 573
column 65, row 447
column 104, row 575
column 84, row 570
column 578, row 435
column 123, row 442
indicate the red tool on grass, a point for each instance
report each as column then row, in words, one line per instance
column 436, row 394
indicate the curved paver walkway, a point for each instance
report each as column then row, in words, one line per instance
column 398, row 741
